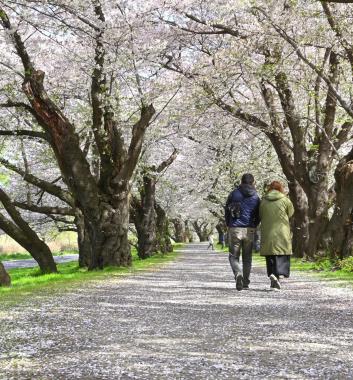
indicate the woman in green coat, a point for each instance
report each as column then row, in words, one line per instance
column 276, row 241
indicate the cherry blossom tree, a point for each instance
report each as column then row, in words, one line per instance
column 103, row 201
column 249, row 64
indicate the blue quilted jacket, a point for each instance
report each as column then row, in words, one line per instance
column 249, row 201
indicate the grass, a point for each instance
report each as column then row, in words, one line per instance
column 29, row 281
column 324, row 269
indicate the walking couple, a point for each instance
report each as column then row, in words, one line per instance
column 243, row 213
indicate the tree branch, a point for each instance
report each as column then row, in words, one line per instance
column 44, row 185
column 12, row 104
column 14, row 214
column 98, row 87
column 221, row 29
column 19, row 45
column 317, row 99
column 338, row 1
column 337, row 30
column 301, row 55
column 343, row 134
column 134, row 151
column 48, row 210
column 237, row 112
column 26, row 133
column 280, row 146
column 293, row 121
column 163, row 165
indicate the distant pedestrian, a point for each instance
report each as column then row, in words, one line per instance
column 242, row 218
column 276, row 244
column 210, row 242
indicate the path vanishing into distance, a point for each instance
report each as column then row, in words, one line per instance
column 185, row 320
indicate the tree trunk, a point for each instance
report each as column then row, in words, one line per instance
column 145, row 218
column 20, row 231
column 188, row 232
column 341, row 224
column 40, row 252
column 300, row 221
column 317, row 227
column 84, row 244
column 104, row 205
column 162, row 229
column 150, row 219
column 201, row 230
column 5, row 279
column 220, row 227
column 36, row 247
column 178, row 230
column 109, row 235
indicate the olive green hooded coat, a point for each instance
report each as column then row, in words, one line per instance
column 275, row 211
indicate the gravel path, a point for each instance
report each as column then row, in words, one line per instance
column 184, row 321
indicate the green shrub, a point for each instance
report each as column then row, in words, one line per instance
column 346, row 264
column 323, row 264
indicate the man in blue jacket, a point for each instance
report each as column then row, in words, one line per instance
column 242, row 218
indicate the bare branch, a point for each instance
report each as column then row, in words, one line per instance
column 48, row 210
column 167, row 162
column 15, row 215
column 26, row 133
column 338, row 1
column 343, row 134
column 12, row 104
column 237, row 112
column 134, row 151
column 223, row 29
column 18, row 43
column 336, row 28
column 44, row 185
column 301, row 55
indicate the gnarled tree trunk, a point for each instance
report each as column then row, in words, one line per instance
column 21, row 232
column 103, row 203
column 221, row 227
column 179, row 233
column 300, row 220
column 145, row 218
column 5, row 279
column 162, row 228
column 109, row 236
column 150, row 219
column 202, row 230
column 188, row 232
column 341, row 224
column 84, row 244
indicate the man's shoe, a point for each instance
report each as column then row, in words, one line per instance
column 239, row 282
column 246, row 287
column 275, row 284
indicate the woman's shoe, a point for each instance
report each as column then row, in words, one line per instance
column 275, row 284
